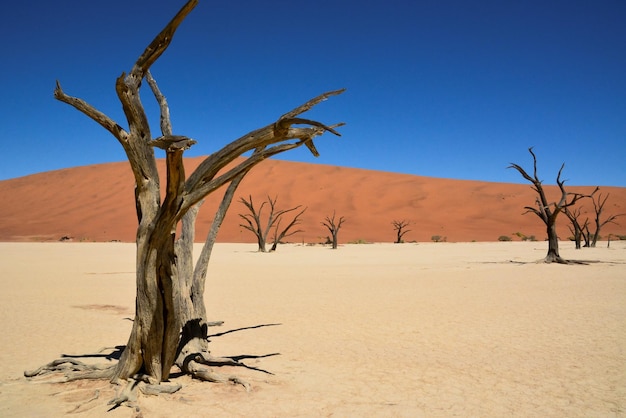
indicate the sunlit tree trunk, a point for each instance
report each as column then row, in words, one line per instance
column 548, row 212
column 170, row 323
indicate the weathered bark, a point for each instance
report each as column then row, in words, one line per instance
column 548, row 212
column 333, row 227
column 170, row 322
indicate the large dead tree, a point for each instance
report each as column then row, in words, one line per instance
column 333, row 225
column 170, row 324
column 598, row 207
column 546, row 211
column 254, row 222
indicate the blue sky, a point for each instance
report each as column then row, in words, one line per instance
column 441, row 88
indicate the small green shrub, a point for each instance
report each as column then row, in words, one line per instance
column 504, row 238
column 436, row 238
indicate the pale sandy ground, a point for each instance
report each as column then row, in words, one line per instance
column 377, row 330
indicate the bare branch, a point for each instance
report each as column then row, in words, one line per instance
column 201, row 182
column 534, row 163
column 309, row 105
column 166, row 123
column 84, row 107
column 200, row 270
column 161, row 42
column 523, row 173
column 280, row 131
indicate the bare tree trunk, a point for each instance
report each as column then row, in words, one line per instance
column 598, row 207
column 280, row 233
column 576, row 229
column 400, row 228
column 333, row 227
column 586, row 236
column 553, row 245
column 548, row 212
column 254, row 223
column 169, row 302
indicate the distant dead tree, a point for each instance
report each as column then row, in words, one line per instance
column 333, row 225
column 400, row 228
column 254, row 223
column 575, row 227
column 170, row 326
column 548, row 212
column 598, row 207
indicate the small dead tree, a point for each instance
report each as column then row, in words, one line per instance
column 575, row 227
column 546, row 211
column 254, row 223
column 170, row 325
column 400, row 228
column 598, row 207
column 277, row 237
column 333, row 227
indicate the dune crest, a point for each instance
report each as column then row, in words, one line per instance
column 95, row 203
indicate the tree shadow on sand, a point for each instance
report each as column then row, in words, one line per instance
column 542, row 261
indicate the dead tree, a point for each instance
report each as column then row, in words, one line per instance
column 598, row 207
column 170, row 324
column 575, row 227
column 254, row 223
column 548, row 212
column 333, row 227
column 277, row 237
column 400, row 228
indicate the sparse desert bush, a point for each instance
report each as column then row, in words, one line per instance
column 358, row 241
column 438, row 238
column 520, row 236
column 504, row 238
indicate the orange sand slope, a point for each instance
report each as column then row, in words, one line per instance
column 95, row 203
column 381, row 330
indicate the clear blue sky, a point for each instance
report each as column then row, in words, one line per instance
column 440, row 88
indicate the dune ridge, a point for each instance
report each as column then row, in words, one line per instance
column 95, row 203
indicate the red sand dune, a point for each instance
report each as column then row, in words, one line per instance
column 95, row 203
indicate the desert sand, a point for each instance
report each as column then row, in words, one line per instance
column 374, row 330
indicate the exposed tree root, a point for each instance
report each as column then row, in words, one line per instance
column 72, row 369
column 198, row 365
column 128, row 395
column 552, row 259
column 203, row 372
